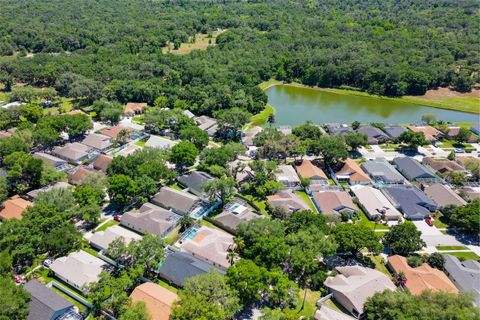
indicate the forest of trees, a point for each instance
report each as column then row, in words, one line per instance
column 113, row 49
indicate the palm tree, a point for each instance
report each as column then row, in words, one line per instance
column 122, row 136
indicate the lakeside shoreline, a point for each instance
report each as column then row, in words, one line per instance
column 271, row 83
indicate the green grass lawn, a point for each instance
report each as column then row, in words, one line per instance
column 80, row 306
column 368, row 223
column 389, row 146
column 451, row 248
column 176, row 186
column 4, row 96
column 310, row 303
column 260, row 203
column 262, row 117
column 379, row 265
column 307, row 200
column 465, row 255
column 93, row 252
column 172, row 237
column 454, row 144
column 107, row 225
column 167, row 286
column 266, row 84
column 440, row 221
column 141, row 143
column 331, row 182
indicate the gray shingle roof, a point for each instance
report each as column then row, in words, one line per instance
column 374, row 134
column 395, row 131
column 465, row 275
column 44, row 303
column 195, row 180
column 170, row 198
column 381, row 170
column 410, row 200
column 179, row 266
column 150, row 218
column 412, row 169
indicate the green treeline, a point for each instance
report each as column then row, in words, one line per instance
column 113, row 49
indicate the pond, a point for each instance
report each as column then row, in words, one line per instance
column 295, row 105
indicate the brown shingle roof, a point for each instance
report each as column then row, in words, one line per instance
column 334, row 202
column 114, row 131
column 351, row 168
column 430, row 132
column 442, row 165
column 102, row 162
column 78, row 176
column 14, row 208
column 421, row 278
column 157, row 299
column 135, row 107
column 308, row 170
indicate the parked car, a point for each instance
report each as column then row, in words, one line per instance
column 458, row 150
column 429, row 222
column 117, row 218
column 47, row 263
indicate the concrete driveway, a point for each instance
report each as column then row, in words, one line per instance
column 434, row 237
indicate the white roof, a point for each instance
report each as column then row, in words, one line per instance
column 375, row 202
column 102, row 239
column 287, row 173
column 79, row 268
column 159, row 142
column 326, row 313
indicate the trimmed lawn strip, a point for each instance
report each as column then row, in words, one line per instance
column 379, row 265
column 91, row 251
column 464, row 255
column 267, row 84
column 107, row 225
column 444, row 248
column 166, row 285
column 260, row 203
column 262, row 117
column 307, row 200
column 172, row 236
column 77, row 304
column 440, row 222
column 141, row 143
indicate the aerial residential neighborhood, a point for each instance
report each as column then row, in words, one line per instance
column 239, row 160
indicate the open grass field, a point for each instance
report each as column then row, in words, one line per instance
column 201, row 42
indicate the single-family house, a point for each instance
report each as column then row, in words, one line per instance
column 151, row 218
column 178, row 201
column 188, row 113
column 46, row 304
column 98, row 141
column 476, row 128
column 178, row 266
column 287, row 176
column 353, row 285
column 241, row 171
column 210, row 245
column 195, row 181
column 375, row 204
column 158, row 300
column 382, row 172
column 465, row 275
column 236, row 212
column 57, row 163
column 78, row 269
column 337, row 128
column 248, row 137
column 285, row 130
column 471, row 193
column 79, row 175
column 307, row 169
column 394, row 131
column 413, row 170
column 133, row 108
column 421, row 278
column 113, row 132
column 443, row 195
column 411, row 201
column 430, row 133
column 102, row 162
column 207, row 124
column 13, row 208
column 334, row 203
column 287, row 200
column 352, row 173
column 443, row 165
column 159, row 142
column 74, row 152
column 374, row 135
column 59, row 185
column 102, row 239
